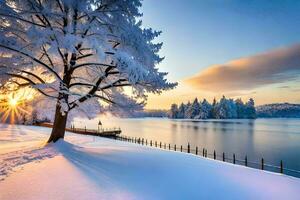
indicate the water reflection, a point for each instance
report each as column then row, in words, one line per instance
column 272, row 139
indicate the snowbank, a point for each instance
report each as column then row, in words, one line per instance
column 85, row 167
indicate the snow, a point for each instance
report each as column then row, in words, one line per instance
column 86, row 167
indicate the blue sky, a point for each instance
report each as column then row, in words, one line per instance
column 198, row 33
column 202, row 38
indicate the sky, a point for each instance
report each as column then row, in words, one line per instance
column 239, row 49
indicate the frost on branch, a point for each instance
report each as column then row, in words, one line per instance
column 80, row 55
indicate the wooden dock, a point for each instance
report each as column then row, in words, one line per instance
column 109, row 132
column 103, row 132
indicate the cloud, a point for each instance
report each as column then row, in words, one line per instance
column 276, row 66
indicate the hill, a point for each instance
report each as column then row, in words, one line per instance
column 286, row 110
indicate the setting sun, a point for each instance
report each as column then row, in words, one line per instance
column 13, row 102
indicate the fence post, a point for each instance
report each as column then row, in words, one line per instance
column 215, row 155
column 262, row 164
column 151, row 143
column 233, row 158
column 174, row 147
column 169, row 146
column 246, row 161
column 146, row 142
column 159, row 144
column 143, row 141
column 181, row 148
column 281, row 167
column 196, row 150
column 223, row 157
column 155, row 143
column 203, row 152
column 188, row 148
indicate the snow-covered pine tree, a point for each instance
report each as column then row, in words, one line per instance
column 205, row 109
column 181, row 111
column 188, row 111
column 231, row 109
column 213, row 112
column 195, row 109
column 240, row 107
column 79, row 53
column 250, row 109
column 174, row 111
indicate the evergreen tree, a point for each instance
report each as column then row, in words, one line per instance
column 195, row 109
column 188, row 111
column 205, row 110
column 181, row 111
column 213, row 113
column 240, row 108
column 174, row 111
column 250, row 108
column 231, row 109
column 221, row 109
column 224, row 109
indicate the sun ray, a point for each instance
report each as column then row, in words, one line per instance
column 15, row 105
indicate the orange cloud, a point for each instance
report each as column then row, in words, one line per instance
column 271, row 67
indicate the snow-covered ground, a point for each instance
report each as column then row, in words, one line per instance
column 85, row 167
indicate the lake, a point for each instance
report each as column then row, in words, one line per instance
column 271, row 139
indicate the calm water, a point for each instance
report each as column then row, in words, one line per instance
column 272, row 139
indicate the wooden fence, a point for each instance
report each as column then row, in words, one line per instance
column 261, row 164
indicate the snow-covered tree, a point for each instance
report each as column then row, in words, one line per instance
column 195, row 109
column 240, row 107
column 250, row 109
column 205, row 109
column 79, row 54
column 188, row 111
column 213, row 112
column 174, row 111
column 181, row 111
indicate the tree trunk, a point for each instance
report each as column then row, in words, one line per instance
column 59, row 126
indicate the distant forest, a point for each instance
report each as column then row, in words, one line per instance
column 277, row 110
column 223, row 109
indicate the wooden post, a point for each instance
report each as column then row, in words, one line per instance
column 169, row 146
column 223, row 157
column 246, row 161
column 146, row 142
column 206, row 153
column 215, row 155
column 262, row 164
column 188, row 150
column 281, row 167
column 143, row 141
column 174, row 147
column 181, row 148
column 203, row 152
column 151, row 143
column 233, row 158
column 196, row 150
column 155, row 143
column 159, row 144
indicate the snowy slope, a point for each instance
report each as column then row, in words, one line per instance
column 84, row 167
